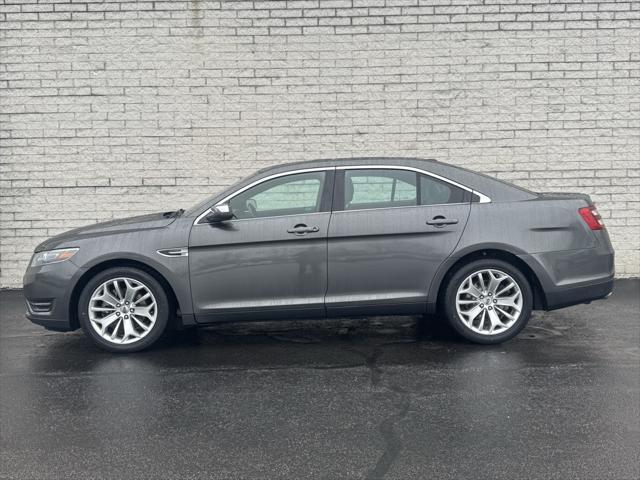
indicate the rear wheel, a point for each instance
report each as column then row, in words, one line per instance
column 123, row 309
column 488, row 301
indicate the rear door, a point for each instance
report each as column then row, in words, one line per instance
column 271, row 260
column 390, row 230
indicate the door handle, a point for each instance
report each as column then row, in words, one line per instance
column 439, row 221
column 302, row 229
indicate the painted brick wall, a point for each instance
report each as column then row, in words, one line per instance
column 121, row 107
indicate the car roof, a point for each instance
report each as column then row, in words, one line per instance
column 327, row 162
column 496, row 190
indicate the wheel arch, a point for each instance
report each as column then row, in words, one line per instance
column 497, row 252
column 119, row 262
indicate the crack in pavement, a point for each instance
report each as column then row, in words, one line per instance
column 393, row 443
column 391, row 438
column 370, row 362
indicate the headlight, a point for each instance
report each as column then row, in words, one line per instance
column 53, row 256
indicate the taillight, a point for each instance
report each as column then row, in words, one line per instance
column 591, row 216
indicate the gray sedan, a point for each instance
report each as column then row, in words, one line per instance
column 328, row 238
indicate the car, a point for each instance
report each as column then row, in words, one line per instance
column 328, row 238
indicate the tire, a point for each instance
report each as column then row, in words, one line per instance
column 475, row 319
column 124, row 330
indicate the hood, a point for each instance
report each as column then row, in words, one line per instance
column 140, row 222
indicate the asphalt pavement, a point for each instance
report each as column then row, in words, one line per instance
column 393, row 398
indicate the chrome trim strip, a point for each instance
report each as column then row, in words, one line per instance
column 174, row 252
column 402, row 167
column 234, row 220
column 483, row 197
column 407, row 206
column 202, row 215
column 257, row 182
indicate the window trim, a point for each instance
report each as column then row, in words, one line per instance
column 483, row 198
column 339, row 195
column 339, row 188
column 466, row 194
column 336, row 188
column 328, row 178
column 318, row 204
column 394, row 208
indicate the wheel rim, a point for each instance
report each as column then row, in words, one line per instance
column 489, row 302
column 122, row 310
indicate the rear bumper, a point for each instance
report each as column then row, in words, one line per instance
column 574, row 276
column 575, row 295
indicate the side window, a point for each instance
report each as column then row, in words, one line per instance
column 288, row 195
column 434, row 191
column 378, row 188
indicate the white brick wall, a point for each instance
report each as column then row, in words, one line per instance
column 116, row 108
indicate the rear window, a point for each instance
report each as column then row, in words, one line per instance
column 379, row 188
column 388, row 188
column 435, row 192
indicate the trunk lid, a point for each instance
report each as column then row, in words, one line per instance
column 565, row 196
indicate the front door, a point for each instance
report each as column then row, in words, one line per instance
column 389, row 232
column 271, row 260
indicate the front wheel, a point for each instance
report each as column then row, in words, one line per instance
column 488, row 301
column 123, row 309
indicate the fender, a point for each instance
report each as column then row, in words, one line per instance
column 177, row 278
column 470, row 251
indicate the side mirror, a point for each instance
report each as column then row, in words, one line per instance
column 220, row 213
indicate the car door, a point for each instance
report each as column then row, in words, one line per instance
column 390, row 230
column 271, row 259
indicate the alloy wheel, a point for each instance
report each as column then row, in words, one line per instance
column 489, row 302
column 122, row 310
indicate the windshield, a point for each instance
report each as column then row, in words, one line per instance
column 207, row 202
column 201, row 206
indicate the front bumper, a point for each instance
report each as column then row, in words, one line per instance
column 47, row 291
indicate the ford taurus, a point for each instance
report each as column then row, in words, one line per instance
column 328, row 238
